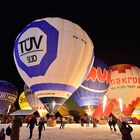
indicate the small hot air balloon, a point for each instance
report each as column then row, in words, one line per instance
column 53, row 56
column 124, row 88
column 136, row 112
column 34, row 102
column 8, row 95
column 23, row 103
column 92, row 90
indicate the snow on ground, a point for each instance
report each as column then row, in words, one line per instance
column 75, row 132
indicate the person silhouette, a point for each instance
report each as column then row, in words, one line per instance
column 62, row 123
column 2, row 134
column 16, row 124
column 32, row 122
column 40, row 126
column 126, row 130
column 112, row 121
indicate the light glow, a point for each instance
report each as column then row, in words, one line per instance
column 42, row 112
column 89, row 110
column 104, row 103
column 8, row 109
column 121, row 104
column 53, row 104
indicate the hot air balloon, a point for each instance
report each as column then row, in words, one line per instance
column 124, row 88
column 63, row 111
column 53, row 56
column 91, row 91
column 73, row 107
column 136, row 112
column 23, row 103
column 8, row 96
column 34, row 102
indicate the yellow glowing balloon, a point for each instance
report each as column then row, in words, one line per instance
column 23, row 104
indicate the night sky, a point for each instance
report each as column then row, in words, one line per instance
column 114, row 29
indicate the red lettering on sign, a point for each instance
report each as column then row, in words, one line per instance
column 102, row 76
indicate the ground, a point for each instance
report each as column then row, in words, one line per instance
column 76, row 132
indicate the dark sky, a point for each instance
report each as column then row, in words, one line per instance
column 113, row 27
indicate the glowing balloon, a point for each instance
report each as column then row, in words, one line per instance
column 63, row 111
column 72, row 106
column 34, row 102
column 93, row 88
column 136, row 112
column 23, row 103
column 124, row 85
column 8, row 95
column 53, row 56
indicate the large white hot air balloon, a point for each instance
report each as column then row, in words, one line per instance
column 53, row 56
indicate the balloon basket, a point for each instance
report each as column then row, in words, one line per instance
column 51, row 122
column 102, row 121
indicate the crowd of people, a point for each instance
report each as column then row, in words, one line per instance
column 113, row 122
column 13, row 130
column 123, row 126
column 32, row 122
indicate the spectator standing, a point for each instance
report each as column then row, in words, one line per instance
column 32, row 122
column 62, row 123
column 126, row 130
column 16, row 124
column 40, row 126
column 2, row 134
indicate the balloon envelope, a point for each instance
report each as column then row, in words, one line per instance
column 89, row 94
column 23, row 103
column 136, row 112
column 8, row 95
column 125, row 87
column 34, row 102
column 53, row 56
column 71, row 105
